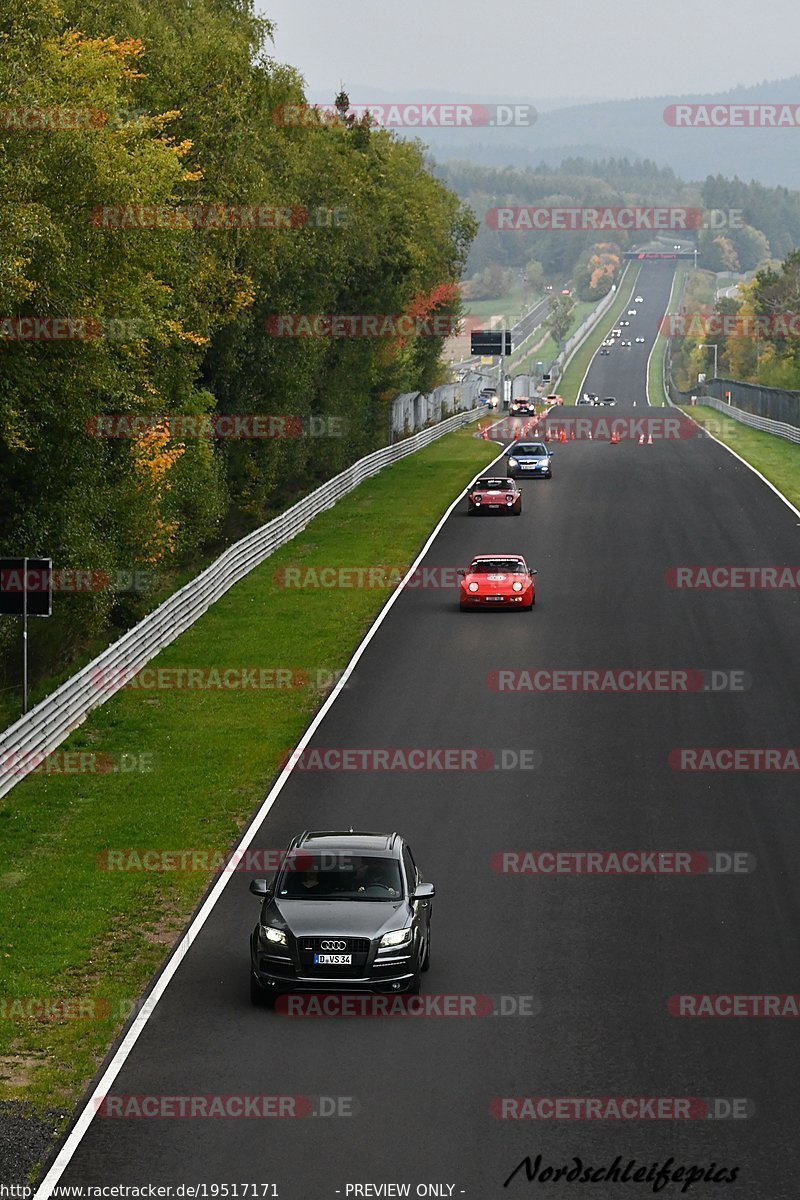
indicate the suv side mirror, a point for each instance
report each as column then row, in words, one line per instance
column 424, row 891
column 534, row 571
column 261, row 887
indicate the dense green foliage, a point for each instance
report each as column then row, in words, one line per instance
column 757, row 335
column 185, row 108
column 747, row 223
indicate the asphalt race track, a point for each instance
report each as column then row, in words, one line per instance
column 598, row 954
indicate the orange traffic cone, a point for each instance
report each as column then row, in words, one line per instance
column 590, row 435
column 572, row 435
column 485, row 434
column 650, row 439
column 614, row 438
column 641, row 439
column 562, row 437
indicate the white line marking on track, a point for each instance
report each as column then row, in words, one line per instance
column 85, row 1118
column 749, row 466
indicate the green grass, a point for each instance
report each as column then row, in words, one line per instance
column 70, row 929
column 548, row 351
column 776, row 459
column 655, row 370
column 509, row 306
column 571, row 380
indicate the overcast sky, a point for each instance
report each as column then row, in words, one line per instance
column 527, row 49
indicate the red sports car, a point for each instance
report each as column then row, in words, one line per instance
column 497, row 581
column 494, row 495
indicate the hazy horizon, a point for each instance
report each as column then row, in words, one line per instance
column 430, row 49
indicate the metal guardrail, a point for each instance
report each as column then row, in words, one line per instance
column 415, row 410
column 765, row 424
column 572, row 345
column 26, row 743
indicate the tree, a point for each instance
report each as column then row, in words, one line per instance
column 559, row 319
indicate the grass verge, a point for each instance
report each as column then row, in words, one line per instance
column 72, row 930
column 776, row 459
column 656, row 394
column 571, row 380
column 549, row 349
column 509, row 306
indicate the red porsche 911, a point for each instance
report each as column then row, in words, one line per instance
column 494, row 495
column 497, row 581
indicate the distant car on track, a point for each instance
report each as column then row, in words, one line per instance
column 494, row 494
column 638, row 299
column 631, row 313
column 624, row 322
column 604, row 350
column 608, row 401
column 345, row 912
column 625, row 343
column 529, row 460
column 497, row 581
column 639, row 339
column 553, row 398
column 523, row 406
column 489, row 397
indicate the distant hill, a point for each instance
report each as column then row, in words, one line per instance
column 628, row 129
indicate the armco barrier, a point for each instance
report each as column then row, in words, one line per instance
column 415, row 410
column 573, row 344
column 765, row 424
column 46, row 726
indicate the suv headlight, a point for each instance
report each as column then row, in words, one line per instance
column 276, row 936
column 512, row 462
column 398, row 937
column 516, row 586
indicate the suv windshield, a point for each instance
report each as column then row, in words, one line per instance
column 351, row 878
column 491, row 566
column 531, row 449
